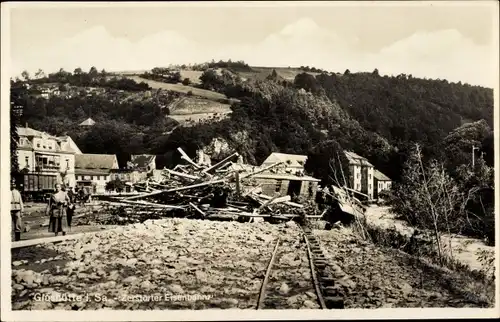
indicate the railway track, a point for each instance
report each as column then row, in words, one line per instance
column 327, row 295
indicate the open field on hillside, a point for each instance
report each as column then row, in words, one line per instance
column 192, row 119
column 180, row 88
column 191, row 110
column 193, row 105
column 193, row 75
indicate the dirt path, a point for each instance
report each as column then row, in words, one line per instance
column 466, row 250
column 34, row 216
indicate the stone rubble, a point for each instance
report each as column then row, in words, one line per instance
column 374, row 277
column 223, row 261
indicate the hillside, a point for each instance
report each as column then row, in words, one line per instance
column 261, row 73
column 378, row 117
column 191, row 110
column 180, row 88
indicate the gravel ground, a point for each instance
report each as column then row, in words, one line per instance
column 196, row 264
column 167, row 264
column 375, row 277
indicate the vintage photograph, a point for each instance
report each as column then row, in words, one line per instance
column 249, row 155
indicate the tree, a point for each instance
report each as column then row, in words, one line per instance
column 78, row 71
column 14, row 139
column 93, row 72
column 429, row 198
column 307, row 82
column 327, row 161
column 186, row 82
column 116, row 185
column 25, row 75
column 459, row 143
column 39, row 73
column 375, row 72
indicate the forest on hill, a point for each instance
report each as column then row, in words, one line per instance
column 378, row 117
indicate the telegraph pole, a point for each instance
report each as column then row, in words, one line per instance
column 473, row 159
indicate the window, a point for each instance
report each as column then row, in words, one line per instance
column 358, row 175
column 278, row 186
column 38, row 145
column 357, row 186
column 369, row 176
column 27, row 159
column 369, row 186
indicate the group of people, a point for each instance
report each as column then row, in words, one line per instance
column 60, row 210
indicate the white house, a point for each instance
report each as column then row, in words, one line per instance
column 382, row 182
column 94, row 170
column 292, row 163
column 360, row 174
column 41, row 153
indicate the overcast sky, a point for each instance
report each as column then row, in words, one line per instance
column 454, row 42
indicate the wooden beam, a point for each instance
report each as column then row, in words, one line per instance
column 237, row 180
column 208, row 183
column 197, row 209
column 289, row 203
column 261, row 170
column 221, row 163
column 183, row 175
column 188, row 159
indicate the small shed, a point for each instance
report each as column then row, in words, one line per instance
column 288, row 184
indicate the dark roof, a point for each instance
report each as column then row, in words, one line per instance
column 95, row 161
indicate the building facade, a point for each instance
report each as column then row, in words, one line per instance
column 382, row 182
column 93, row 171
column 360, row 174
column 41, row 153
column 286, row 184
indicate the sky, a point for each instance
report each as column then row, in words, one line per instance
column 441, row 40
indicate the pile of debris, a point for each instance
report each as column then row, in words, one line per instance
column 198, row 191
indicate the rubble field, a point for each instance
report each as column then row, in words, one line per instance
column 165, row 264
column 386, row 277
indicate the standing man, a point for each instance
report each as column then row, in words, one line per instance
column 16, row 210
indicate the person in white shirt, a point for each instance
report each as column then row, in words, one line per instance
column 16, row 210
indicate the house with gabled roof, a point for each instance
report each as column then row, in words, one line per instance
column 360, row 174
column 287, row 179
column 382, row 182
column 292, row 163
column 93, row 171
column 44, row 154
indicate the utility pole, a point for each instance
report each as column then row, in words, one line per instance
column 474, row 148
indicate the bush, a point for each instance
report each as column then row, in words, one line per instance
column 186, row 82
column 190, row 93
